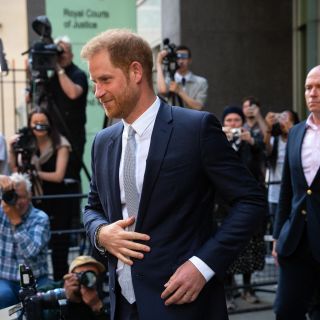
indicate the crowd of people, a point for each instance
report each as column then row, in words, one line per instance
column 164, row 167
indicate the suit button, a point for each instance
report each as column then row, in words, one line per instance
column 309, row 192
column 304, row 212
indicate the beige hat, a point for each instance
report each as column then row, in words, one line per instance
column 82, row 260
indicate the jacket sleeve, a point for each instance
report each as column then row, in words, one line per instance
column 93, row 215
column 240, row 190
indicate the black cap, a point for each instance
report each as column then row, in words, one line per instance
column 232, row 109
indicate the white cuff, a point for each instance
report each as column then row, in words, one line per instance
column 204, row 269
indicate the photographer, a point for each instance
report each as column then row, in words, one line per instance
column 24, row 237
column 249, row 150
column 254, row 120
column 68, row 88
column 190, row 88
column 85, row 300
column 275, row 139
column 65, row 91
column 49, row 161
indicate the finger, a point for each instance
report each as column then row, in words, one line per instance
column 187, row 298
column 170, row 280
column 136, row 246
column 131, row 235
column 124, row 259
column 176, row 297
column 132, row 254
column 171, row 287
column 126, row 222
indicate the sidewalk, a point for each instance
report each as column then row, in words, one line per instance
column 258, row 311
column 257, row 315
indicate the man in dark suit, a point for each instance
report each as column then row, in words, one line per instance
column 175, row 256
column 297, row 224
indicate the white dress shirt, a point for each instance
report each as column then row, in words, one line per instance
column 310, row 152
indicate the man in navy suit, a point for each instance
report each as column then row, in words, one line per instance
column 297, row 224
column 176, row 257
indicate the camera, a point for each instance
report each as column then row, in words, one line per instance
column 87, row 278
column 43, row 55
column 170, row 60
column 33, row 302
column 25, row 142
column 10, row 197
column 24, row 148
column 41, row 127
column 276, row 127
column 236, row 133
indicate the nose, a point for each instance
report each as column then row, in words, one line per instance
column 98, row 90
column 314, row 91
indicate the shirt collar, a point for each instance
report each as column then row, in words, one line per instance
column 178, row 77
column 310, row 123
column 144, row 121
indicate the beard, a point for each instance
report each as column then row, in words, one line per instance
column 123, row 104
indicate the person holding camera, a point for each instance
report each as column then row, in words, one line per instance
column 24, row 237
column 68, row 88
column 275, row 139
column 252, row 257
column 254, row 120
column 83, row 289
column 190, row 89
column 48, row 163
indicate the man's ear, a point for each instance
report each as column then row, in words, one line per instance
column 136, row 71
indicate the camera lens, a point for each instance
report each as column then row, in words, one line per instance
column 87, row 279
column 50, row 298
column 10, row 197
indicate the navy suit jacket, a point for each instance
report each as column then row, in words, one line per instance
column 189, row 158
column 298, row 202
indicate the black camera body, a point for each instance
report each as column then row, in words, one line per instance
column 10, row 197
column 25, row 142
column 43, row 55
column 276, row 129
column 34, row 302
column 87, row 278
column 170, row 60
column 24, row 148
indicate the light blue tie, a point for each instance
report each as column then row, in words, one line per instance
column 129, row 176
column 132, row 201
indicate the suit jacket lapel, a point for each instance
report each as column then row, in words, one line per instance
column 158, row 146
column 299, row 141
column 112, row 165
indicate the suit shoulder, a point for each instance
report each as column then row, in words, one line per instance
column 192, row 115
column 110, row 132
column 298, row 127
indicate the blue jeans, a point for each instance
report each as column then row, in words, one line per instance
column 9, row 291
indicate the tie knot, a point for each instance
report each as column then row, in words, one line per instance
column 131, row 132
column 183, row 81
